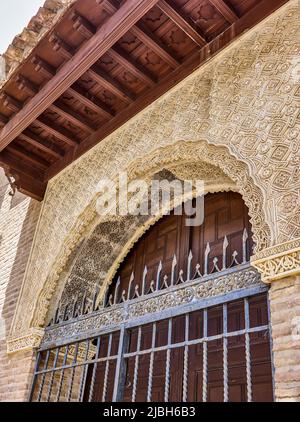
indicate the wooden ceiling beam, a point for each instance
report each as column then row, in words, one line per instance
column 148, row 38
column 41, row 144
column 12, row 104
column 112, row 85
column 60, row 46
column 27, row 180
column 137, row 69
column 28, row 156
column 58, row 132
column 71, row 116
column 182, row 21
column 261, row 11
column 120, row 57
column 84, row 27
column 49, row 71
column 93, row 103
column 107, row 35
column 225, row 10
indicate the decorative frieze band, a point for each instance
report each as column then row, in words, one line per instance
column 279, row 261
column 108, row 319
column 29, row 341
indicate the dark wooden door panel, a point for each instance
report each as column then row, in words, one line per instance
column 225, row 214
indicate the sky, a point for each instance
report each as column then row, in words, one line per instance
column 14, row 16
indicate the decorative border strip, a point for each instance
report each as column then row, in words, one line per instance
column 279, row 261
column 27, row 342
column 109, row 319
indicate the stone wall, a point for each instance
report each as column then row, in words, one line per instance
column 18, row 219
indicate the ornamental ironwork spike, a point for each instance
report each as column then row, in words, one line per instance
column 180, row 277
column 245, row 238
column 188, row 271
column 152, row 287
column 215, row 264
column 117, row 290
column 95, row 298
column 165, row 282
column 174, row 263
column 206, row 255
column 144, row 279
column 159, row 270
column 197, row 271
column 130, row 285
column 234, row 260
column 65, row 314
column 123, row 296
column 56, row 316
column 225, row 245
column 136, row 291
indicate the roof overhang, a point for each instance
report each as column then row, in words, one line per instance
column 101, row 63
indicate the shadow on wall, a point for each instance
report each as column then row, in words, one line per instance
column 19, row 216
column 19, row 256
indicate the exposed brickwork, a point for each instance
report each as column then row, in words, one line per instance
column 285, row 318
column 18, row 219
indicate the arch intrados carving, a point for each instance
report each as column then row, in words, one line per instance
column 181, row 152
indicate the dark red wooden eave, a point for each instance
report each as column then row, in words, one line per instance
column 33, row 181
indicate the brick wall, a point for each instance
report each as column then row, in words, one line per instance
column 285, row 318
column 18, row 219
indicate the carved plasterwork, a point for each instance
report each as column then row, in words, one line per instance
column 26, row 342
column 245, row 99
column 111, row 240
column 186, row 293
column 278, row 262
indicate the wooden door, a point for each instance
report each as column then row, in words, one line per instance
column 225, row 215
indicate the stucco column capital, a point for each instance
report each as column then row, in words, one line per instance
column 29, row 340
column 279, row 261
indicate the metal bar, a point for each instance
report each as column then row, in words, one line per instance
column 204, row 369
column 247, row 350
column 165, row 314
column 73, row 372
column 34, row 380
column 225, row 353
column 52, row 375
column 162, row 348
column 106, row 369
column 43, row 377
column 84, row 373
column 121, row 366
column 168, row 359
column 62, row 374
column 151, row 362
column 94, row 370
column 136, row 365
column 185, row 361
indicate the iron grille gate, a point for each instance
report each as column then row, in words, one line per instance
column 197, row 335
column 98, row 367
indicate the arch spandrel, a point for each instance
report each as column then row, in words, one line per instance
column 253, row 131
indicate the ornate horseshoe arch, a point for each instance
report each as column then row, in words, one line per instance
column 169, row 156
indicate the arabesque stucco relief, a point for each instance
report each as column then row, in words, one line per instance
column 243, row 106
